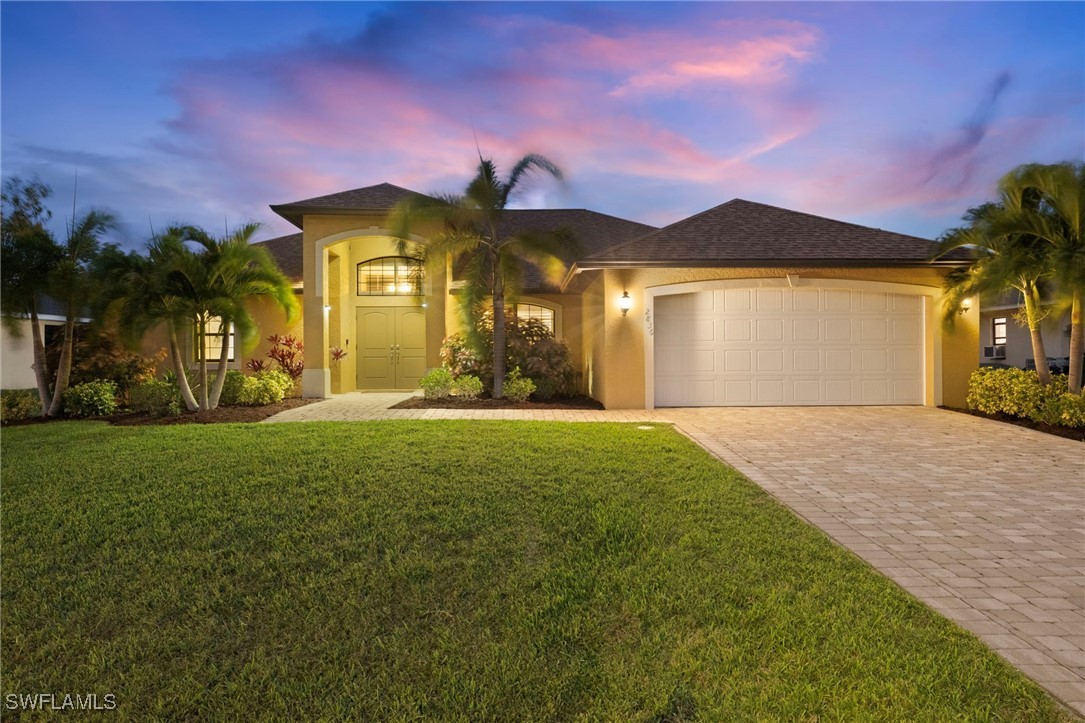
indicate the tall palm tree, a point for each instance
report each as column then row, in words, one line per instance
column 471, row 233
column 1003, row 260
column 28, row 254
column 71, row 283
column 1049, row 203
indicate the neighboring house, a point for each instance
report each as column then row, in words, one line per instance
column 1004, row 340
column 743, row 304
column 17, row 352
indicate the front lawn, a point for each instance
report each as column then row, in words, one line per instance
column 452, row 571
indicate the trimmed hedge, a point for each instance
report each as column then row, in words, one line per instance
column 267, row 387
column 19, row 404
column 1018, row 392
column 92, row 399
column 436, row 383
column 156, row 397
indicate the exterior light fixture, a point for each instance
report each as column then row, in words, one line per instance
column 966, row 305
column 327, row 307
column 625, row 303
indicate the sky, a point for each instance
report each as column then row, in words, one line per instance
column 894, row 115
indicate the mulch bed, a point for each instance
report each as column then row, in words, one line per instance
column 578, row 402
column 1077, row 433
column 222, row 415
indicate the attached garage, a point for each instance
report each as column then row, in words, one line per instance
column 788, row 346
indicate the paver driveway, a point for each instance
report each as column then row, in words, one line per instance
column 983, row 521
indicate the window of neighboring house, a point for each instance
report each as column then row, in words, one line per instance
column 390, row 276
column 998, row 330
column 213, row 338
column 537, row 312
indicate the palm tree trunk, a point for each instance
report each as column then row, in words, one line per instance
column 224, row 358
column 1038, row 351
column 499, row 333
column 179, row 365
column 1077, row 343
column 64, row 366
column 203, row 363
column 41, row 364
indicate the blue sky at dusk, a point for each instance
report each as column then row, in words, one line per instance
column 897, row 115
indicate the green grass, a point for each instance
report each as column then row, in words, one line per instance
column 457, row 571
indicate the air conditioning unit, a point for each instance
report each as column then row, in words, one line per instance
column 994, row 352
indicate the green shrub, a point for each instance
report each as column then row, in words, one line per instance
column 267, row 387
column 91, row 399
column 436, row 383
column 157, row 398
column 1018, row 393
column 18, row 404
column 518, row 388
column 231, row 388
column 468, row 387
column 529, row 345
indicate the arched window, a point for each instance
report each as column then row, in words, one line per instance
column 539, row 313
column 390, row 276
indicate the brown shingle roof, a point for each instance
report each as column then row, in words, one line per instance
column 593, row 231
column 746, row 233
column 381, row 197
column 286, row 250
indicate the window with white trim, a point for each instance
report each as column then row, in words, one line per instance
column 537, row 312
column 998, row 330
column 214, row 339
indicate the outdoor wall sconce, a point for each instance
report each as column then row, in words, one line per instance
column 966, row 305
column 625, row 303
column 327, row 307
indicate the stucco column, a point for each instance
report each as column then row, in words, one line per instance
column 316, row 380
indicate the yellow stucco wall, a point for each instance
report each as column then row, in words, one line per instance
column 617, row 360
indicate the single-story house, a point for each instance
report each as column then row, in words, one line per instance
column 742, row 304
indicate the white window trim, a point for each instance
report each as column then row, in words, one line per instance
column 556, row 308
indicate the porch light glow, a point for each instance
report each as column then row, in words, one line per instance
column 966, row 304
column 625, row 303
column 327, row 307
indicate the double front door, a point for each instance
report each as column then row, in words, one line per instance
column 391, row 347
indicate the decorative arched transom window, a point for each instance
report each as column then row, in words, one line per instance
column 390, row 276
column 537, row 312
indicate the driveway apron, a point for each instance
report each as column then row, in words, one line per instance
column 983, row 521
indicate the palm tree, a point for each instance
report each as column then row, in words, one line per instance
column 1049, row 204
column 148, row 291
column 28, row 255
column 1003, row 260
column 188, row 278
column 71, row 283
column 471, row 233
column 238, row 274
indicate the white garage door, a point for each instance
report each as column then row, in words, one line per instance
column 801, row 346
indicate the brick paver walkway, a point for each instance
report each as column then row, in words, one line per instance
column 983, row 521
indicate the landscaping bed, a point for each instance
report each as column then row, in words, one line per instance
column 1075, row 433
column 577, row 402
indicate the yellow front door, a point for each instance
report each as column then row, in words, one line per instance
column 391, row 347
